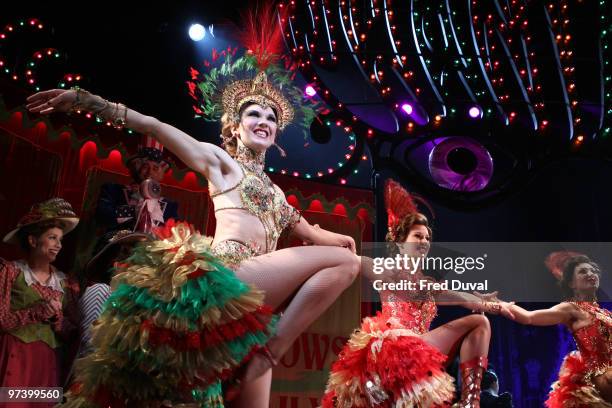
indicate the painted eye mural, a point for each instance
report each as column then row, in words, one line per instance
column 466, row 96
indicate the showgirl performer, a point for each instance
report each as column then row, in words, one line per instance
column 585, row 378
column 188, row 312
column 394, row 359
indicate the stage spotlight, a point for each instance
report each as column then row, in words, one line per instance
column 197, row 32
column 310, row 91
column 475, row 112
column 319, row 130
column 406, row 107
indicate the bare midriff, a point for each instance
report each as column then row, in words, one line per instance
column 239, row 225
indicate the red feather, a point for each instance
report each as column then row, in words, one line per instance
column 262, row 34
column 555, row 262
column 398, row 201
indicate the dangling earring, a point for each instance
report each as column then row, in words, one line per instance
column 280, row 150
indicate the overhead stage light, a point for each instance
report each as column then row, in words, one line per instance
column 197, row 32
column 406, row 107
column 310, row 91
column 475, row 112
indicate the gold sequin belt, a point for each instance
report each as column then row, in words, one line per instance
column 233, row 252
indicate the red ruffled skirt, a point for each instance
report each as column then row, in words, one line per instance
column 27, row 365
column 388, row 367
column 573, row 390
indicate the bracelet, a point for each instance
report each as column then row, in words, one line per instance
column 119, row 121
column 98, row 111
column 491, row 307
column 487, row 307
column 77, row 104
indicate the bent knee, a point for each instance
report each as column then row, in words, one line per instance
column 479, row 321
column 351, row 265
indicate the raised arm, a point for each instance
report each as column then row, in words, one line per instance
column 453, row 297
column 563, row 313
column 207, row 159
column 472, row 302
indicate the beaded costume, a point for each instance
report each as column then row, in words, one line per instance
column 260, row 197
column 179, row 321
column 386, row 364
column 575, row 388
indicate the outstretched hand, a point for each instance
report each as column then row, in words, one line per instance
column 487, row 297
column 503, row 308
column 54, row 100
column 506, row 310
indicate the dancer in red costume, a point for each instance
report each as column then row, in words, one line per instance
column 394, row 360
column 585, row 378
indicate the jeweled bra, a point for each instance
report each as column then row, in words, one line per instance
column 595, row 340
column 260, row 197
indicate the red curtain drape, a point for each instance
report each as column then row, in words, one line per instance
column 28, row 174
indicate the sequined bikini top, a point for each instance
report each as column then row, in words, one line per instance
column 260, row 197
column 595, row 340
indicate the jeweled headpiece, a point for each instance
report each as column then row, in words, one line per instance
column 259, row 91
column 256, row 77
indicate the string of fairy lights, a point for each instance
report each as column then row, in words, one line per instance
column 564, row 41
column 336, row 171
column 495, row 57
column 486, row 54
column 27, row 73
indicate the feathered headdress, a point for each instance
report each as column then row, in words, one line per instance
column 255, row 77
column 399, row 203
column 555, row 262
